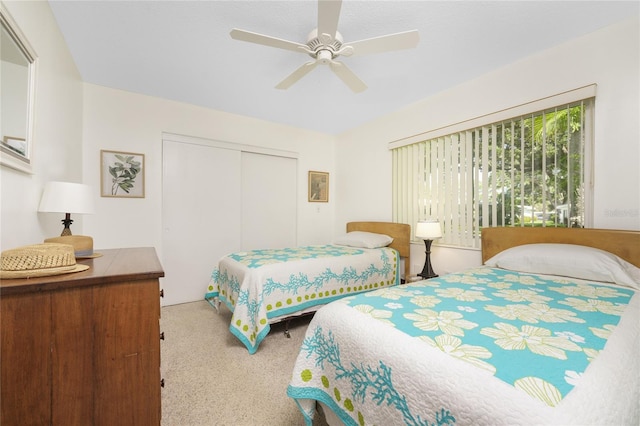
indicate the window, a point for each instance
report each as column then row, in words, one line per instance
column 512, row 168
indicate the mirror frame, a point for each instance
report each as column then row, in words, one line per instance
column 7, row 157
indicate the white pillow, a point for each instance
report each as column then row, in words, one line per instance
column 568, row 260
column 363, row 239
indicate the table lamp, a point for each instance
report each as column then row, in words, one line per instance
column 428, row 230
column 67, row 198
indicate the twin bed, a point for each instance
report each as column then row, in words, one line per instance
column 262, row 287
column 546, row 331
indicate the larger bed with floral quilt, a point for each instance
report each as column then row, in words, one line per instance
column 546, row 331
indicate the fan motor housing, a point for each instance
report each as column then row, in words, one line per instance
column 321, row 49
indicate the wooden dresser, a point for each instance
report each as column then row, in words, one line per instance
column 83, row 348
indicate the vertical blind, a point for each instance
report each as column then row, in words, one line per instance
column 529, row 170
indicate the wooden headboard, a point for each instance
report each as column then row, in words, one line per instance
column 400, row 232
column 625, row 244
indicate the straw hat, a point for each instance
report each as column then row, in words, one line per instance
column 82, row 245
column 39, row 260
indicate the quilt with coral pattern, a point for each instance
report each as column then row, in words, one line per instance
column 485, row 346
column 260, row 286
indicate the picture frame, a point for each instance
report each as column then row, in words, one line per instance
column 121, row 174
column 318, row 187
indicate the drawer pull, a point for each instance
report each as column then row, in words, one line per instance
column 162, row 292
column 162, row 336
column 161, row 383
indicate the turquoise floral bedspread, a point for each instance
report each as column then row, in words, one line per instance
column 259, row 286
column 536, row 334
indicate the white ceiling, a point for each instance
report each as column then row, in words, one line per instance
column 181, row 50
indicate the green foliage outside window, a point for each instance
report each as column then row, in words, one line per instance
column 538, row 174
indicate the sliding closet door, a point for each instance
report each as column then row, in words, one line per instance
column 268, row 201
column 217, row 198
column 201, row 193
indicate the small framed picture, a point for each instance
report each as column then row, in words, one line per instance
column 121, row 174
column 318, row 187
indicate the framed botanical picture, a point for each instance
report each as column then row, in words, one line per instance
column 121, row 174
column 318, row 187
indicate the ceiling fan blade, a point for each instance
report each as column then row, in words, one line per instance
column 386, row 43
column 243, row 35
column 328, row 16
column 347, row 76
column 300, row 72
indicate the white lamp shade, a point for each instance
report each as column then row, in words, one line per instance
column 428, row 230
column 67, row 197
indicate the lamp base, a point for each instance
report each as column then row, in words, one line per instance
column 427, row 271
column 67, row 221
column 427, row 275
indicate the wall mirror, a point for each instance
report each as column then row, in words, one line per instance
column 17, row 95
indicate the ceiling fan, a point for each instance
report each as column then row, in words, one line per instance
column 325, row 44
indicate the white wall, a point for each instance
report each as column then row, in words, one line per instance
column 123, row 121
column 608, row 57
column 57, row 137
column 75, row 120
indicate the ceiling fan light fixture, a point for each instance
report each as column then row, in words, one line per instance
column 324, row 56
column 325, row 43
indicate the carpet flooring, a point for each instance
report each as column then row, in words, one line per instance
column 210, row 378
